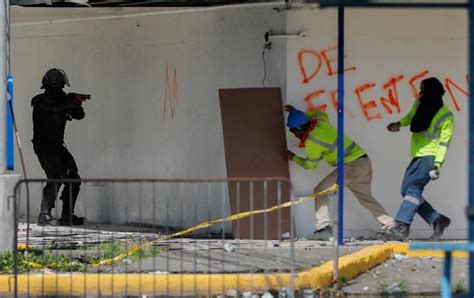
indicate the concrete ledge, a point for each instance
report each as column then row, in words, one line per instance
column 350, row 266
column 148, row 284
column 7, row 183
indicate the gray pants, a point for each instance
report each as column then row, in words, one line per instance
column 358, row 178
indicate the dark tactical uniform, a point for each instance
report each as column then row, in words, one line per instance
column 51, row 110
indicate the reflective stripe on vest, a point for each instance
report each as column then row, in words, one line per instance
column 330, row 147
column 317, row 159
column 350, row 148
column 434, row 136
column 444, row 144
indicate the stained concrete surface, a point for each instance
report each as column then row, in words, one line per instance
column 182, row 255
column 245, row 257
column 421, row 277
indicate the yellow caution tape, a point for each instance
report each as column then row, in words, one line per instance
column 200, row 226
column 206, row 224
column 23, row 246
column 38, row 265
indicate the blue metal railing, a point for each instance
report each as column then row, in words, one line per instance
column 10, row 140
column 448, row 249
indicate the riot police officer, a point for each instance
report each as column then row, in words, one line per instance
column 51, row 110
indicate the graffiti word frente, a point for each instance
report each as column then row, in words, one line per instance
column 323, row 63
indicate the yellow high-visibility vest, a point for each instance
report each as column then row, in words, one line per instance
column 321, row 144
column 435, row 140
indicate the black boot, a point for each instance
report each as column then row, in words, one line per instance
column 70, row 220
column 441, row 223
column 323, row 235
column 400, row 232
column 45, row 219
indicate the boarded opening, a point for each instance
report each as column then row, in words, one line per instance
column 254, row 135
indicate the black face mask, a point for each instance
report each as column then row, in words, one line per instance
column 430, row 103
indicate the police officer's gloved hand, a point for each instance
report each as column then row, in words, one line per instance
column 78, row 98
column 434, row 173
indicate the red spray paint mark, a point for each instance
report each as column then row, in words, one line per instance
column 335, row 101
column 171, row 94
column 309, row 101
column 415, row 78
column 392, row 98
column 309, row 71
column 301, row 63
column 367, row 106
column 311, row 63
column 329, row 60
column 448, row 84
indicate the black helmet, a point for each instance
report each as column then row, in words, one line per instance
column 54, row 78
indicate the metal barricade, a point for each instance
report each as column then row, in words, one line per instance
column 160, row 237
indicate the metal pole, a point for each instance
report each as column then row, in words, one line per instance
column 3, row 85
column 16, row 197
column 446, row 280
column 340, row 122
column 336, row 243
column 471, row 143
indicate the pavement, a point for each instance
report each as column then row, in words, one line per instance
column 181, row 255
column 418, row 276
column 204, row 256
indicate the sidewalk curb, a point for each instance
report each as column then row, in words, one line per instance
column 350, row 266
column 319, row 277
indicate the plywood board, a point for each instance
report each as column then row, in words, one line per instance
column 254, row 135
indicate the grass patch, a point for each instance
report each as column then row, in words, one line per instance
column 109, row 250
column 343, row 280
column 459, row 287
column 385, row 288
column 37, row 259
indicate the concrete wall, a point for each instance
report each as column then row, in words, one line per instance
column 133, row 127
column 129, row 131
column 381, row 46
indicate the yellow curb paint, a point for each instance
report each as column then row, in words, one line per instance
column 319, row 277
column 402, row 248
column 350, row 266
column 139, row 284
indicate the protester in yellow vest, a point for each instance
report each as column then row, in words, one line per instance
column 319, row 138
column 432, row 124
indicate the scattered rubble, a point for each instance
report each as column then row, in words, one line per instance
column 419, row 276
